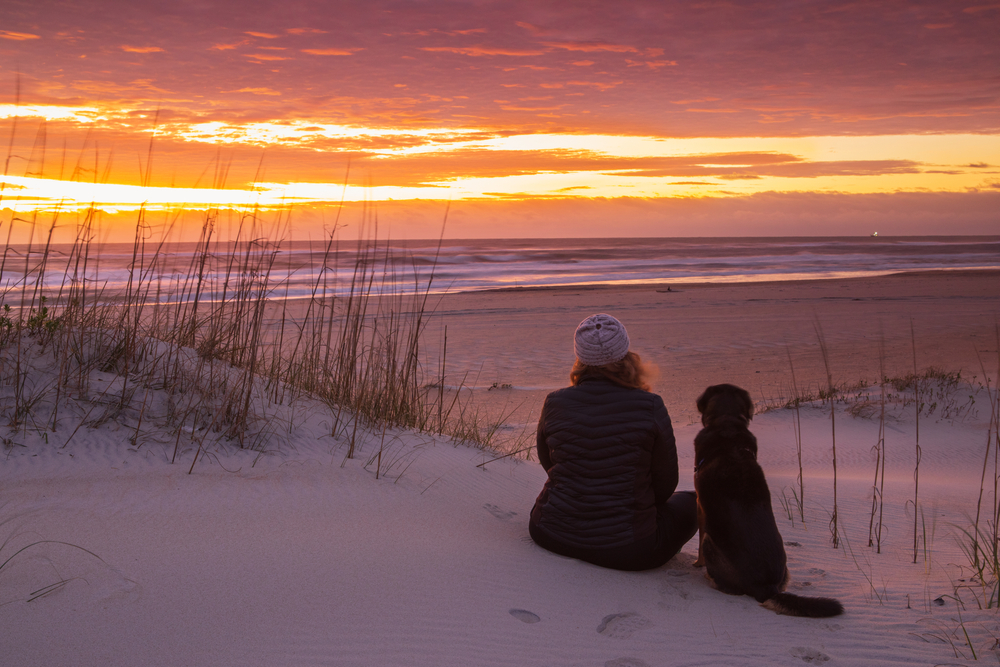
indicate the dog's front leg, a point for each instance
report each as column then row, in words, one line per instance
column 700, row 562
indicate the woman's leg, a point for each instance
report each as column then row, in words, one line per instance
column 677, row 523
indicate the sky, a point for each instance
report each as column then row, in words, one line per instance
column 507, row 119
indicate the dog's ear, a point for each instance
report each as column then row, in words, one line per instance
column 747, row 403
column 706, row 396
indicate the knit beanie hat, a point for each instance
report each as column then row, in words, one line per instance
column 600, row 339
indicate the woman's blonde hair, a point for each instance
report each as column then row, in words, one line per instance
column 631, row 372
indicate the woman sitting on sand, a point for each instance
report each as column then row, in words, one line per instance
column 608, row 447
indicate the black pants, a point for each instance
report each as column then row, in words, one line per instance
column 676, row 523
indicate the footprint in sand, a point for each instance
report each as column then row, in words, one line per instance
column 809, row 655
column 525, row 616
column 626, row 662
column 674, row 593
column 499, row 513
column 622, row 626
column 815, row 571
column 673, row 590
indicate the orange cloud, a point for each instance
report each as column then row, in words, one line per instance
column 652, row 64
column 600, row 85
column 711, row 165
column 482, row 51
column 450, row 33
column 745, row 62
column 128, row 88
column 332, row 52
column 592, row 46
column 142, row 49
column 510, row 107
column 257, row 91
column 17, row 36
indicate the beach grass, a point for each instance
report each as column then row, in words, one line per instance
column 218, row 338
column 980, row 539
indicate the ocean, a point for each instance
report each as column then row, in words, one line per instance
column 295, row 269
column 498, row 263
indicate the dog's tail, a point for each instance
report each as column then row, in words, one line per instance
column 797, row 605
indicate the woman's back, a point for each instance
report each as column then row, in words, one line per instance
column 609, row 451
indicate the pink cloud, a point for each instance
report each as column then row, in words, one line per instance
column 748, row 68
column 533, row 29
column 976, row 9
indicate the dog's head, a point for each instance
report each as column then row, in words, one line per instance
column 725, row 401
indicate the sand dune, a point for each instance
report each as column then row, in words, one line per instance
column 303, row 557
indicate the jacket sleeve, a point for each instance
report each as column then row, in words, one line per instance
column 541, row 446
column 664, row 460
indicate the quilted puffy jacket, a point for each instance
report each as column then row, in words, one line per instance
column 610, row 455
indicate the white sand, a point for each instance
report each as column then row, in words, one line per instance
column 305, row 558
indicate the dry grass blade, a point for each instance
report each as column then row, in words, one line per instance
column 831, row 391
column 916, row 466
column 878, row 485
column 800, row 498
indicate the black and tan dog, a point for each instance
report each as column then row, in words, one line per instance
column 739, row 542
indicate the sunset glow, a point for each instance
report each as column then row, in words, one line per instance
column 497, row 104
